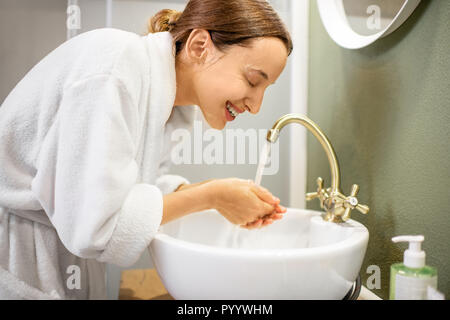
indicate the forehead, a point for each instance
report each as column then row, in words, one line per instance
column 267, row 54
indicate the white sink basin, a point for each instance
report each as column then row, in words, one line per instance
column 203, row 256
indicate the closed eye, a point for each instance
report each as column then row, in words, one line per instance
column 250, row 84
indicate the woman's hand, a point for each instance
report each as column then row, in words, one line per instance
column 245, row 203
column 267, row 219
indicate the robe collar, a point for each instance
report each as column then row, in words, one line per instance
column 162, row 74
column 160, row 105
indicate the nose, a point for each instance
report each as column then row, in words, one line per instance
column 254, row 103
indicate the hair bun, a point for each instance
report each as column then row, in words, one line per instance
column 163, row 21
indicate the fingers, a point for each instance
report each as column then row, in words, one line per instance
column 273, row 216
column 255, row 224
column 273, row 212
column 280, row 209
column 266, row 219
column 276, row 216
column 265, row 195
column 258, row 223
column 263, row 207
column 267, row 209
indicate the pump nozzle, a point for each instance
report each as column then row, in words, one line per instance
column 414, row 257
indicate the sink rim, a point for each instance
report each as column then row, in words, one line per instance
column 360, row 235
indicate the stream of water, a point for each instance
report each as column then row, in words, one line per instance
column 262, row 162
column 236, row 237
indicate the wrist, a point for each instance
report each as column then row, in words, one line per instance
column 209, row 194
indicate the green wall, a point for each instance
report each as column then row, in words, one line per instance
column 386, row 111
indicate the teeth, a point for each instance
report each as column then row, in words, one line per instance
column 233, row 112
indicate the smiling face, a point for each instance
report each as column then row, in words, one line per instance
column 227, row 83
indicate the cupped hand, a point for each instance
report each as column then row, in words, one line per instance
column 245, row 203
column 267, row 219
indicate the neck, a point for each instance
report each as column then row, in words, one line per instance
column 185, row 94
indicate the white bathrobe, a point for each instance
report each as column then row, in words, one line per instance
column 84, row 155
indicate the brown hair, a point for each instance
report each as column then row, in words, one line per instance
column 229, row 22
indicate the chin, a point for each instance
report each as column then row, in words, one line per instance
column 218, row 125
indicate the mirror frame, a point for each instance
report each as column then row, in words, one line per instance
column 333, row 17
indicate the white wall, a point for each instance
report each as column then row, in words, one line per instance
column 299, row 101
column 29, row 30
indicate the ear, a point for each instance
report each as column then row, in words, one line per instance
column 199, row 45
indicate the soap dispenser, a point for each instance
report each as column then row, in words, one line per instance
column 410, row 279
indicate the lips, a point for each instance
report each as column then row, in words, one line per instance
column 231, row 111
column 235, row 108
column 228, row 115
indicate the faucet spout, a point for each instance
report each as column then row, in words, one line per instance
column 336, row 205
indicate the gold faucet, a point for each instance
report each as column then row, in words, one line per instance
column 337, row 206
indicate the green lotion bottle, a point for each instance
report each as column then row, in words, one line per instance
column 410, row 279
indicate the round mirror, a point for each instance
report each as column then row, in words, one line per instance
column 354, row 24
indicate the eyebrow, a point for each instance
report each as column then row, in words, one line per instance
column 262, row 73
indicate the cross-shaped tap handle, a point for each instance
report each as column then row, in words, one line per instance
column 320, row 193
column 351, row 202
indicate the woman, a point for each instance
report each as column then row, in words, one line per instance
column 83, row 142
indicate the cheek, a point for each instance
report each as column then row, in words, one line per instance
column 210, row 94
column 215, row 91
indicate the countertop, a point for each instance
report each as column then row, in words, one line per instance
column 142, row 284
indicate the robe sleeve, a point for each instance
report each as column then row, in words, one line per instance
column 166, row 182
column 170, row 182
column 87, row 172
